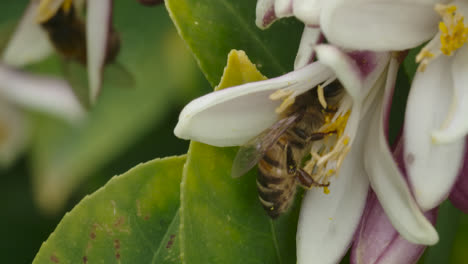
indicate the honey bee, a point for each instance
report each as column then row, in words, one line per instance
column 67, row 32
column 279, row 150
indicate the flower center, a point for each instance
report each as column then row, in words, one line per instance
column 453, row 35
column 327, row 155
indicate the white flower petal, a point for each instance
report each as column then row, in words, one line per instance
column 378, row 25
column 457, row 126
column 305, row 55
column 308, row 11
column 283, row 8
column 98, row 22
column 44, row 94
column 29, row 43
column 265, row 13
column 327, row 222
column 388, row 182
column 432, row 168
column 345, row 69
column 13, row 136
column 234, row 115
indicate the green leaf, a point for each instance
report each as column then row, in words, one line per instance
column 63, row 155
column 133, row 219
column 448, row 219
column 212, row 28
column 222, row 220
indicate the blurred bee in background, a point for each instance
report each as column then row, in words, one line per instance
column 66, row 29
column 67, row 32
column 279, row 151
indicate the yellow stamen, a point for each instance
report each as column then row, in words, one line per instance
column 48, row 8
column 326, row 190
column 289, row 96
column 453, row 35
column 67, row 4
column 321, row 96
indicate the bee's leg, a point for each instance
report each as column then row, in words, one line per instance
column 319, row 135
column 290, row 162
column 306, row 181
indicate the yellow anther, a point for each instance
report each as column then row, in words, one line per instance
column 454, row 34
column 48, row 8
column 67, row 4
column 346, row 141
column 326, row 190
column 289, row 96
column 338, row 125
column 285, row 104
column 321, row 96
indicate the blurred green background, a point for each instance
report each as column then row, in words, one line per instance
column 131, row 123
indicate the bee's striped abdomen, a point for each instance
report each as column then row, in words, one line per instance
column 276, row 188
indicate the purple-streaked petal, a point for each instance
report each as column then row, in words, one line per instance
column 388, row 182
column 432, row 168
column 308, row 11
column 232, row 116
column 378, row 25
column 29, row 42
column 377, row 242
column 327, row 222
column 98, row 23
column 265, row 13
column 283, row 8
column 459, row 194
column 311, row 36
column 13, row 133
column 357, row 70
column 48, row 95
column 457, row 125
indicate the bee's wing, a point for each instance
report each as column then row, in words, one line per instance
column 250, row 153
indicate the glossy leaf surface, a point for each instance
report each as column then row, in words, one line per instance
column 212, row 28
column 222, row 220
column 133, row 219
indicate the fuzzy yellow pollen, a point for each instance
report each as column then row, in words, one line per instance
column 453, row 35
column 326, row 190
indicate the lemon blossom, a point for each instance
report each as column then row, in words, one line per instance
column 327, row 222
column 435, row 121
column 30, row 42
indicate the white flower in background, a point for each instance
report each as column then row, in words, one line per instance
column 30, row 43
column 19, row 91
column 435, row 122
column 327, row 222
